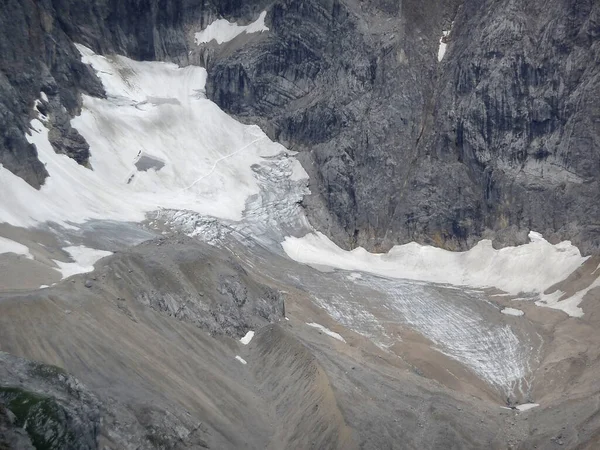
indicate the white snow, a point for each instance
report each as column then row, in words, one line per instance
column 570, row 305
column 527, row 406
column 43, row 96
column 9, row 246
column 512, row 312
column 44, row 286
column 354, row 276
column 84, row 258
column 246, row 339
column 240, row 359
column 532, row 267
column 156, row 109
column 224, row 31
column 443, row 45
column 327, row 331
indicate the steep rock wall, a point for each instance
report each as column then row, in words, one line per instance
column 499, row 137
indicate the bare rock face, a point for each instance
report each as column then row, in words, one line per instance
column 498, row 138
column 37, row 56
column 11, row 436
column 514, row 108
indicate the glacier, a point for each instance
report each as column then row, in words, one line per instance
column 228, row 184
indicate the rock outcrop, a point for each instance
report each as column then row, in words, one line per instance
column 43, row 407
column 193, row 283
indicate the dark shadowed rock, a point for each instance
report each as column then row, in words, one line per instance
column 11, row 436
column 42, row 407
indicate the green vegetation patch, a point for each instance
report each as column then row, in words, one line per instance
column 40, row 416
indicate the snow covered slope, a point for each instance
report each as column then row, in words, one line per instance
column 9, row 246
column 157, row 111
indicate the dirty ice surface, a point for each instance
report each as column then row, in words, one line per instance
column 224, row 31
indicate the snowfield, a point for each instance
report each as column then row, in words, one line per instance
column 443, row 46
column 529, row 268
column 247, row 338
column 158, row 110
column 327, row 331
column 84, row 259
column 224, row 31
column 512, row 312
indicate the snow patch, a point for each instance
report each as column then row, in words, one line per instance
column 512, row 312
column 327, row 331
column 443, row 45
column 84, row 258
column 246, row 339
column 533, row 267
column 224, row 31
column 527, row 406
column 8, row 246
column 240, row 359
column 569, row 305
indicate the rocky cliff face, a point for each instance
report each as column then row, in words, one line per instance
column 514, row 111
column 499, row 137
